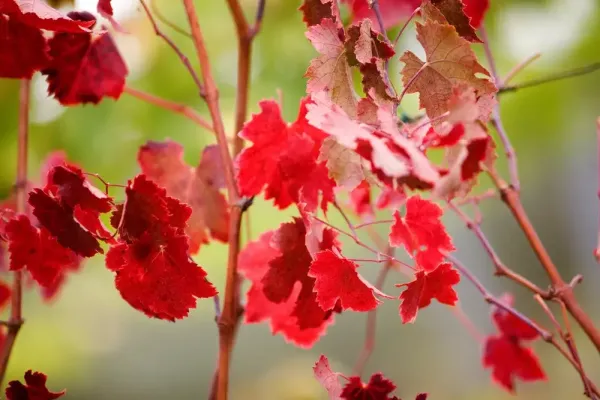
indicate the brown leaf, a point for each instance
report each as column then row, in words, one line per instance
column 330, row 71
column 450, row 62
column 452, row 12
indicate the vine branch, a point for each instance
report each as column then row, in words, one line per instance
column 588, row 69
column 172, row 106
column 16, row 317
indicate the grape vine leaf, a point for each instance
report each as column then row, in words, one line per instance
column 452, row 12
column 506, row 353
column 253, row 263
column 314, row 11
column 475, row 10
column 449, row 62
column 153, row 270
column 330, row 71
column 327, row 378
column 162, row 162
column 40, row 15
column 283, row 160
column 84, row 67
column 336, row 279
column 392, row 11
column 23, row 49
column 435, row 284
column 33, row 389
column 421, row 232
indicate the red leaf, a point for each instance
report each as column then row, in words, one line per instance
column 254, row 264
column 378, row 388
column 327, row 378
column 34, row 388
column 154, row 272
column 60, row 222
column 23, row 49
column 163, row 163
column 392, row 11
column 337, row 280
column 313, row 11
column 421, row 232
column 283, row 160
column 85, row 67
column 427, row 286
column 511, row 326
column 452, row 12
column 476, row 9
column 292, row 266
column 360, row 200
column 509, row 360
column 158, row 279
column 69, row 185
column 40, row 15
column 105, row 8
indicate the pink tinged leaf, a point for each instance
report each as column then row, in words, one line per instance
column 327, row 378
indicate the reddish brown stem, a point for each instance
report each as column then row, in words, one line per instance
column 245, row 35
column 229, row 317
column 501, row 269
column 172, row 106
column 415, row 12
column 16, row 318
column 372, row 321
column 597, row 251
column 560, row 289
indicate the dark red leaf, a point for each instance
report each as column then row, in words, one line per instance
column 254, row 264
column 85, row 68
column 437, row 284
column 69, row 185
column 313, row 11
column 163, row 163
column 421, row 232
column 23, row 49
column 40, row 15
column 33, row 389
column 509, row 361
column 338, row 280
column 378, row 388
column 60, row 222
column 453, row 12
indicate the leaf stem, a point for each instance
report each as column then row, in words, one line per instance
column 414, row 13
column 169, row 105
column 16, row 317
column 597, row 251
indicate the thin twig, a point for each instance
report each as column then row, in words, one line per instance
column 588, row 69
column 560, row 289
column 415, row 12
column 175, row 107
column 490, row 299
column 377, row 11
column 519, row 67
column 371, row 328
column 16, row 317
column 161, row 17
column 501, row 268
column 509, row 151
column 229, row 317
column 171, row 43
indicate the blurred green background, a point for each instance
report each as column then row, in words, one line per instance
column 95, row 345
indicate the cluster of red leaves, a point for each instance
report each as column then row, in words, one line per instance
column 378, row 387
column 150, row 254
column 425, row 238
column 299, row 279
column 33, row 389
column 506, row 353
column 80, row 65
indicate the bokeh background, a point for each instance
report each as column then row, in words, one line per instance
column 94, row 344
